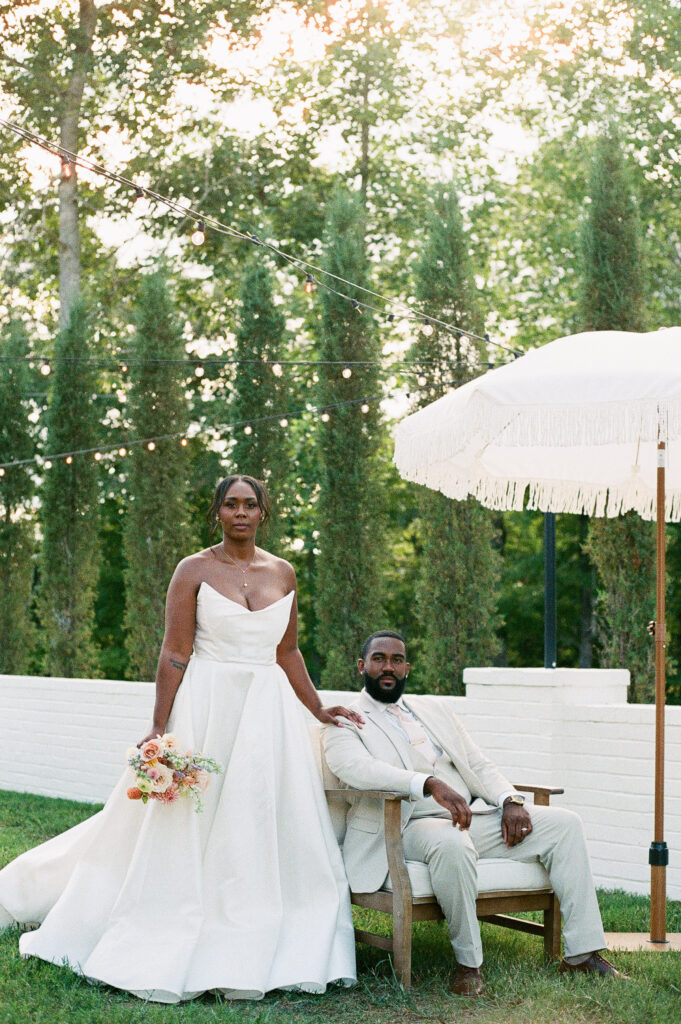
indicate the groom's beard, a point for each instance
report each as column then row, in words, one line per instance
column 385, row 696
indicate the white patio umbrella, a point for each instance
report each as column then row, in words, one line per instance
column 585, row 424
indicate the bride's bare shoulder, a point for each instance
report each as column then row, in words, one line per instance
column 280, row 566
column 192, row 566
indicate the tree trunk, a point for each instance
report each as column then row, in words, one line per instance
column 69, row 241
column 364, row 157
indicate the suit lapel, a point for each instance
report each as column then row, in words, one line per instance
column 377, row 718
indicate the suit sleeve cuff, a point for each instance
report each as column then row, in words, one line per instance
column 509, row 792
column 416, row 785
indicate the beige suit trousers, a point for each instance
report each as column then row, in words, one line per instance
column 557, row 840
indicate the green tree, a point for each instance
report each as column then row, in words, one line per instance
column 613, row 298
column 70, row 556
column 348, row 592
column 156, row 531
column 260, row 447
column 456, row 593
column 17, row 531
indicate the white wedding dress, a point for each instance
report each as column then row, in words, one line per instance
column 249, row 895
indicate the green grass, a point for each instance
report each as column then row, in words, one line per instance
column 520, row 987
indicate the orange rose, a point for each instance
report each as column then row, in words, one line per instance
column 134, row 793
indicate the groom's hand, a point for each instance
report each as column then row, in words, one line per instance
column 450, row 800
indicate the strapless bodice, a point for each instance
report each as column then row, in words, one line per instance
column 228, row 632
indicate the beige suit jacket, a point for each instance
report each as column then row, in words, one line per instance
column 377, row 757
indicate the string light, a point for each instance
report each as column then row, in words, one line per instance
column 142, row 203
column 71, row 160
column 347, row 372
column 124, row 367
column 66, row 168
column 427, row 327
column 45, row 369
column 199, row 370
column 277, row 370
column 151, row 443
column 184, row 442
column 309, row 284
column 2, row 471
column 421, row 380
column 199, row 233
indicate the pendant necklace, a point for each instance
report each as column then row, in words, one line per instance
column 235, row 563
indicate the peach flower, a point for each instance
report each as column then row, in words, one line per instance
column 169, row 741
column 151, row 750
column 169, row 796
column 134, row 793
column 164, row 779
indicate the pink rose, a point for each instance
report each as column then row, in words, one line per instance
column 151, row 750
column 152, row 772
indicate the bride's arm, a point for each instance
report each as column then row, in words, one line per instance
column 291, row 660
column 177, row 644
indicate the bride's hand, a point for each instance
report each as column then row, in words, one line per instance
column 153, row 735
column 328, row 716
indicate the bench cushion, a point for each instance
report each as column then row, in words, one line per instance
column 493, row 873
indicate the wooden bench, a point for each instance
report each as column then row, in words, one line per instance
column 504, row 887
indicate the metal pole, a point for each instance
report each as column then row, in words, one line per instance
column 658, row 856
column 550, row 610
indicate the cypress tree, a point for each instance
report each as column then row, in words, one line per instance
column 456, row 592
column 260, row 448
column 351, row 543
column 613, row 298
column 69, row 560
column 16, row 519
column 156, row 532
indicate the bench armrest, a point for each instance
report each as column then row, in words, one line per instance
column 377, row 794
column 542, row 794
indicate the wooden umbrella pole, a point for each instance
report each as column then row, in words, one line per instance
column 659, row 855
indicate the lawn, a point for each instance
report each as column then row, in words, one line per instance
column 521, row 988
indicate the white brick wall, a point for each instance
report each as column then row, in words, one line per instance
column 68, row 737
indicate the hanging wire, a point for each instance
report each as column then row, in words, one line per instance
column 202, row 221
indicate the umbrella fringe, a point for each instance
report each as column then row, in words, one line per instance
column 433, row 432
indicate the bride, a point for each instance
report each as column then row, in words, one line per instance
column 249, row 895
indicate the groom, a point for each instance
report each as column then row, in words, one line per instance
column 460, row 808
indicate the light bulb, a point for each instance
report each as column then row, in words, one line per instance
column 2, row 471
column 199, row 234
column 184, row 442
column 325, row 417
column 151, row 446
column 365, row 407
column 45, row 369
column 142, row 203
column 122, row 451
column 97, row 456
column 277, row 369
column 66, row 168
column 199, row 370
column 68, row 460
column 347, row 372
column 124, row 368
column 248, row 429
column 427, row 327
column 283, row 422
column 421, row 380
column 309, row 284
column 47, row 464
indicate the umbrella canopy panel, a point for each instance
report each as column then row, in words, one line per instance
column 570, row 427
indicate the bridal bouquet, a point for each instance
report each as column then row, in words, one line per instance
column 162, row 772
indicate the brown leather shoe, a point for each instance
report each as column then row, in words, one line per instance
column 596, row 964
column 467, row 982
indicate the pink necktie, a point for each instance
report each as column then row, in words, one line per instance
column 416, row 734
